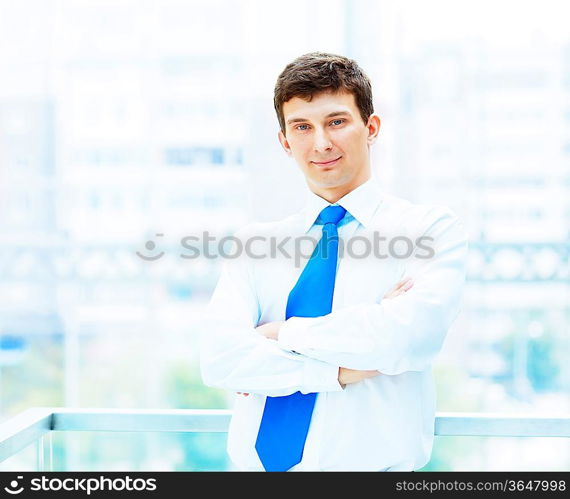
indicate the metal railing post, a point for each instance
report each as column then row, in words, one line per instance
column 40, row 454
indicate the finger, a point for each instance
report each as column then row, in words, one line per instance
column 400, row 292
column 408, row 285
column 403, row 282
column 400, row 284
column 403, row 285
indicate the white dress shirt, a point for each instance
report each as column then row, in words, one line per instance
column 381, row 423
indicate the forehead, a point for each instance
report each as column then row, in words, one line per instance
column 320, row 105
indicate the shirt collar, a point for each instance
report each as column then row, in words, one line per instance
column 361, row 203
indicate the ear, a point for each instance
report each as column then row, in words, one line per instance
column 373, row 127
column 284, row 143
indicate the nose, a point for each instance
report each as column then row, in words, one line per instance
column 322, row 141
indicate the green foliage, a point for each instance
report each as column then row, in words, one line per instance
column 184, row 389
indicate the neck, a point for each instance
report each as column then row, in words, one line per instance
column 333, row 194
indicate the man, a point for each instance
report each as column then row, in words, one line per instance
column 331, row 360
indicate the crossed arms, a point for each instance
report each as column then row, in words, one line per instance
column 346, row 376
column 404, row 332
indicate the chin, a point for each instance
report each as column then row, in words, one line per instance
column 332, row 179
column 329, row 185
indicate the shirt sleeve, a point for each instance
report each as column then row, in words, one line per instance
column 399, row 334
column 235, row 357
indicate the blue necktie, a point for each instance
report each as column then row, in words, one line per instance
column 285, row 422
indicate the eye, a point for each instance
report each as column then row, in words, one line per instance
column 301, row 129
column 337, row 122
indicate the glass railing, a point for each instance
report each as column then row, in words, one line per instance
column 57, row 439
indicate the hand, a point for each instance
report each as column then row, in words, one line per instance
column 400, row 288
column 348, row 376
column 270, row 330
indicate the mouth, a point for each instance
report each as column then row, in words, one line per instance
column 324, row 164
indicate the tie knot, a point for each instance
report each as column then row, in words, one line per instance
column 331, row 214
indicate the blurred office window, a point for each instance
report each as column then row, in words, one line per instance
column 127, row 125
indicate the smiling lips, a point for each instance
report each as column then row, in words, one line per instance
column 326, row 163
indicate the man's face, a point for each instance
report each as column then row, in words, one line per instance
column 329, row 141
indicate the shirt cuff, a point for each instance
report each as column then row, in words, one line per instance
column 319, row 376
column 293, row 333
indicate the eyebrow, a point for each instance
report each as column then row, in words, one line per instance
column 330, row 115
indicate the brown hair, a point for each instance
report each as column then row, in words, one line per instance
column 317, row 72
